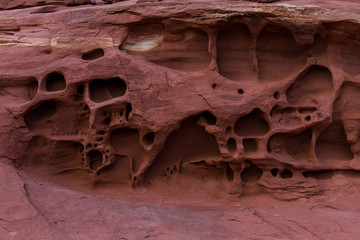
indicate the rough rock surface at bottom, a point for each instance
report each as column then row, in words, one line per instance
column 33, row 209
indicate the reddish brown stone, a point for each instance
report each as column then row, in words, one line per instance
column 179, row 102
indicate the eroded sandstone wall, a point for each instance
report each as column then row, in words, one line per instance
column 134, row 94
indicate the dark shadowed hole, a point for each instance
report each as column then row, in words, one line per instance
column 240, row 91
column 326, row 174
column 213, row 86
column 276, row 95
column 107, row 122
column 231, row 145
column 33, row 88
column 55, row 82
column 95, row 159
column 98, row 90
column 307, row 118
column 229, row 173
column 128, row 111
column 229, row 130
column 274, row 172
column 351, row 173
column 93, row 54
column 251, row 174
column 149, row 138
column 210, row 119
column 80, row 89
column 117, row 87
column 307, row 110
column 286, row 174
column 40, row 113
column 100, row 132
column 81, row 149
column 104, row 90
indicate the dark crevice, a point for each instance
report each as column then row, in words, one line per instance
column 128, row 111
column 93, row 54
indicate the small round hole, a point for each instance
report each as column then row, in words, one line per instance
column 308, row 118
column 274, row 172
column 213, row 86
column 149, row 138
column 276, row 95
column 240, row 91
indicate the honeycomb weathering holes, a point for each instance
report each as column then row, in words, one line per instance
column 225, row 136
column 104, row 90
column 252, row 124
column 55, row 82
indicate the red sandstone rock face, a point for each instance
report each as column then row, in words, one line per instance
column 181, row 99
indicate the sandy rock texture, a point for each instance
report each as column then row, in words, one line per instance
column 179, row 119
